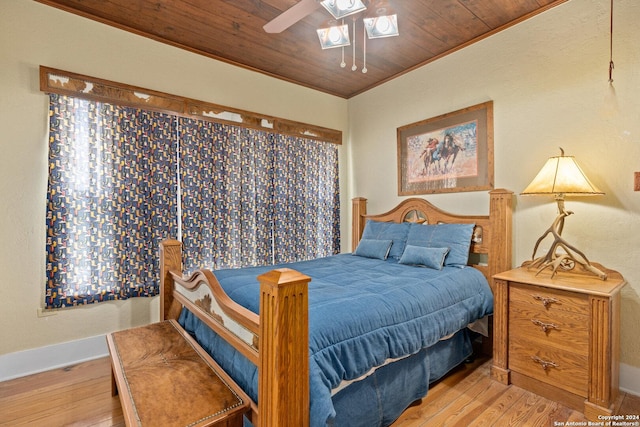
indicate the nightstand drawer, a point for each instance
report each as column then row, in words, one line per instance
column 550, row 300
column 550, row 365
column 564, row 330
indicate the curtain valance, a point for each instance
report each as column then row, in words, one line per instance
column 81, row 86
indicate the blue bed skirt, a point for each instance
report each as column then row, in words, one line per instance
column 376, row 400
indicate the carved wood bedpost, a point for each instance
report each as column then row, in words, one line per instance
column 283, row 371
column 170, row 260
column 500, row 212
column 500, row 259
column 359, row 210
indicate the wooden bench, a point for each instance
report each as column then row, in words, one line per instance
column 164, row 378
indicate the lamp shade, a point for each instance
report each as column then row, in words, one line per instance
column 562, row 176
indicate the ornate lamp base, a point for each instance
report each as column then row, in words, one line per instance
column 564, row 261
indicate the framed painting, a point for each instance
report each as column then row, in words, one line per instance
column 448, row 153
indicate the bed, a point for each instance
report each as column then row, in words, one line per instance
column 351, row 339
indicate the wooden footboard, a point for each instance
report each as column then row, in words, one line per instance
column 277, row 341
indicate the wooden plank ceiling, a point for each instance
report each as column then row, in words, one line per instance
column 231, row 31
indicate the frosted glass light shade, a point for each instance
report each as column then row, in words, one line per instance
column 562, row 176
column 381, row 26
column 341, row 8
column 335, row 36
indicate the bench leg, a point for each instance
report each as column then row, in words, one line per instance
column 114, row 386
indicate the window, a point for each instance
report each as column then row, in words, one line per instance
column 247, row 197
column 111, row 199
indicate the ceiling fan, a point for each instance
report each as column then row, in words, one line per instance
column 336, row 35
column 290, row 16
column 338, row 8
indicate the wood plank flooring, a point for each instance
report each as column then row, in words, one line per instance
column 469, row 397
column 80, row 395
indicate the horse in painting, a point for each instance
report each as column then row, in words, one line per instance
column 439, row 156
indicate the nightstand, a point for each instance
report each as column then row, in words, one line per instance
column 559, row 337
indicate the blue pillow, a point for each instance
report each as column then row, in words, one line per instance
column 397, row 232
column 421, row 255
column 370, row 248
column 456, row 237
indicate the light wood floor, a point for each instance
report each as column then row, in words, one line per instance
column 80, row 395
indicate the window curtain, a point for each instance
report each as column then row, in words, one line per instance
column 251, row 197
column 247, row 197
column 226, row 193
column 306, row 199
column 111, row 199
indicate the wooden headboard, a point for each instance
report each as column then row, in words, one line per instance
column 491, row 244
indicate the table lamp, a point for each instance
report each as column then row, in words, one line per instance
column 561, row 176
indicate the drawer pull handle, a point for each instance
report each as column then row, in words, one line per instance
column 546, row 327
column 545, row 301
column 544, row 364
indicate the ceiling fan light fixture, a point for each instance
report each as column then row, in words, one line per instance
column 341, row 8
column 335, row 36
column 381, row 26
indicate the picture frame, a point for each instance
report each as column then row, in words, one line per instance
column 452, row 152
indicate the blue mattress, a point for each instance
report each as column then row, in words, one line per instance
column 362, row 312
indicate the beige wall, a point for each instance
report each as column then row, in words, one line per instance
column 547, row 78
column 32, row 34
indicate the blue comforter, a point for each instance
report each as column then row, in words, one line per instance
column 364, row 311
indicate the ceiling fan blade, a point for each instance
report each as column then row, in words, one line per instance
column 290, row 16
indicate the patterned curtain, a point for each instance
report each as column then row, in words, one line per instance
column 250, row 197
column 306, row 199
column 111, row 199
column 226, row 193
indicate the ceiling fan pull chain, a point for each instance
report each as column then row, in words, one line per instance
column 343, row 64
column 353, row 67
column 364, row 50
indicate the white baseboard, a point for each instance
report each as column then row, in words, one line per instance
column 23, row 363
column 630, row 379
